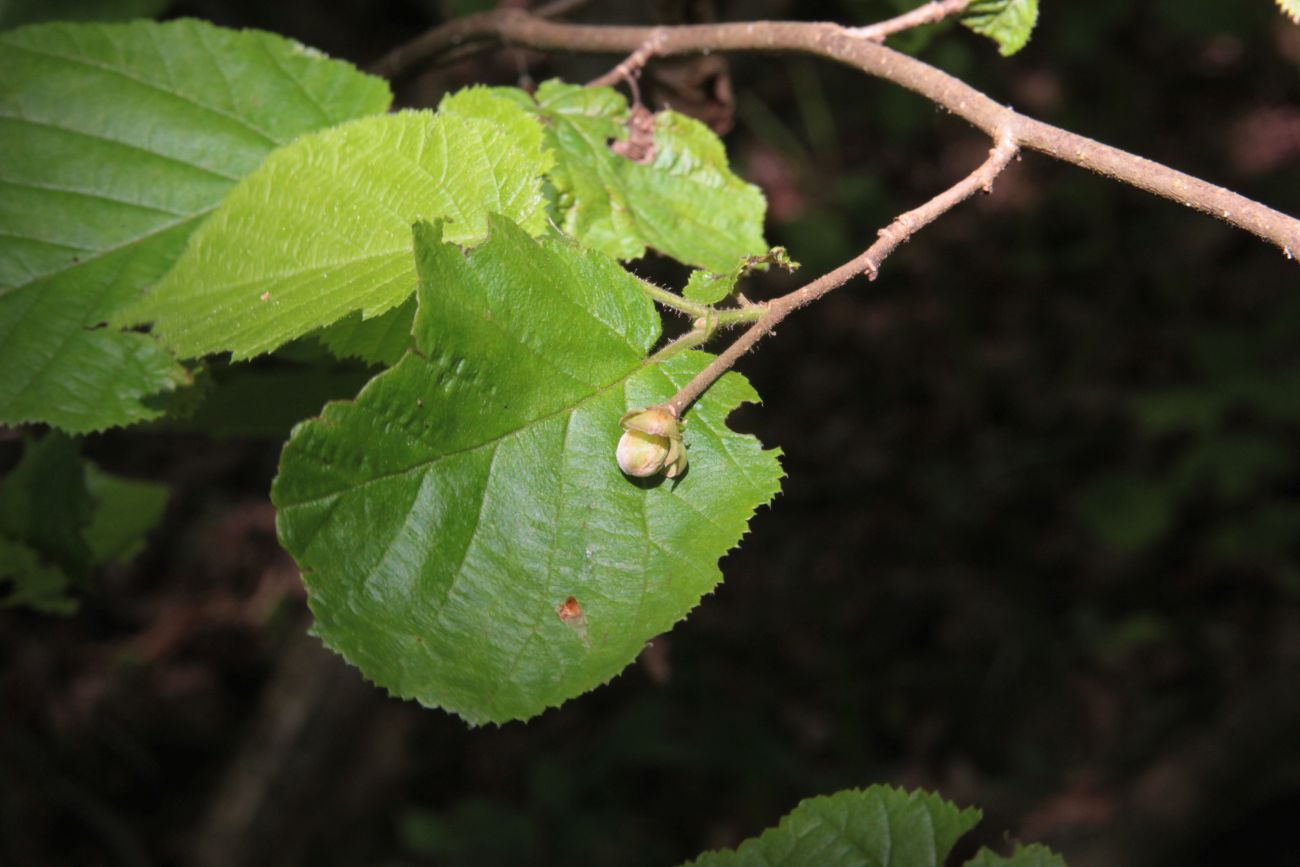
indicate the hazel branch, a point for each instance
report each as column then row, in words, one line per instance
column 831, row 41
column 931, row 12
column 868, row 262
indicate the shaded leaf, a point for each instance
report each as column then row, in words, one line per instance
column 29, row 580
column 684, row 201
column 869, row 827
column 60, row 515
column 115, row 142
column 1129, row 512
column 16, row 12
column 125, row 511
column 381, row 340
column 1009, row 23
column 444, row 518
column 1036, row 855
column 246, row 401
column 45, row 505
column 323, row 228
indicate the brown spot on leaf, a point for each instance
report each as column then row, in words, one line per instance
column 570, row 614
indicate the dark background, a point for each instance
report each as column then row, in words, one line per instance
column 1037, row 549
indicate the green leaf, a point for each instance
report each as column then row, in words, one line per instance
column 44, row 503
column 16, row 12
column 444, row 519
column 125, row 511
column 1009, row 23
column 705, row 287
column 684, row 202
column 323, row 228
column 1290, row 8
column 381, row 340
column 115, row 141
column 870, row 827
column 247, row 401
column 1129, row 512
column 33, row 581
column 1036, row 855
column 59, row 515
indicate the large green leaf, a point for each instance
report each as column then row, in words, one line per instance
column 1009, row 23
column 445, row 518
column 875, row 827
column 323, row 228
column 684, row 201
column 115, row 141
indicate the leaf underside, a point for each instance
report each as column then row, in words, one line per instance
column 323, row 229
column 443, row 519
column 1009, row 23
column 870, row 827
column 115, row 142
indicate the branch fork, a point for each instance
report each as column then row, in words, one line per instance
column 930, row 13
column 861, row 49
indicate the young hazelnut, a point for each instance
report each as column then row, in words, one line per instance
column 651, row 444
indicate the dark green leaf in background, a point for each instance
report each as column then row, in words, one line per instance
column 60, row 516
column 16, row 12
column 1024, row 856
column 876, row 827
column 44, row 503
column 125, row 511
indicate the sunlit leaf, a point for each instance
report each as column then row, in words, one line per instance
column 445, row 517
column 323, row 228
column 1009, row 23
column 681, row 198
column 115, row 142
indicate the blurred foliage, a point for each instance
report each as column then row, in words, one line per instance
column 17, row 12
column 60, row 516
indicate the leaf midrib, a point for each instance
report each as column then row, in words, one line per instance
column 426, row 464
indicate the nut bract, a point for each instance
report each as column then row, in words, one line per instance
column 651, row 443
